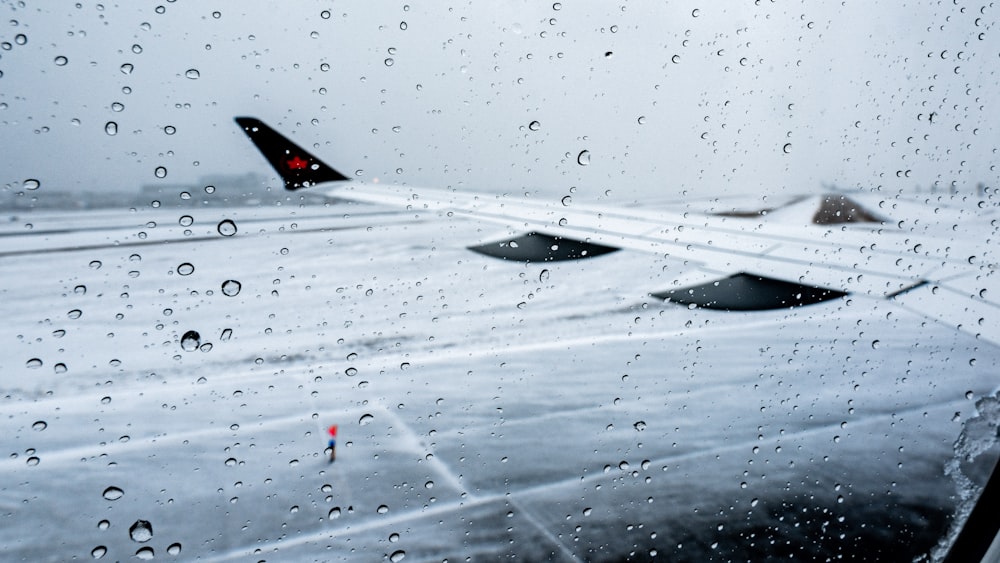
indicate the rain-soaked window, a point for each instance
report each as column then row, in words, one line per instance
column 571, row 281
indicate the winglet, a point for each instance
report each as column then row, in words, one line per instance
column 294, row 165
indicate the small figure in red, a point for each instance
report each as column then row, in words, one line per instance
column 333, row 443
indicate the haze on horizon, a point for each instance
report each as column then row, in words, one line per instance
column 688, row 99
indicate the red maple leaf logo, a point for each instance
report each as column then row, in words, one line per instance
column 296, row 163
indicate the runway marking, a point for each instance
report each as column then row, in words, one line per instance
column 209, row 238
column 375, row 523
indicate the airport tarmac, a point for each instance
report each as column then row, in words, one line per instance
column 487, row 409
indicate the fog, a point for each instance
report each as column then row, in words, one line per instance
column 671, row 101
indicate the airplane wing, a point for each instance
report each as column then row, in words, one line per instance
column 930, row 257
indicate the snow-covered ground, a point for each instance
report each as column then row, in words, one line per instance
column 486, row 408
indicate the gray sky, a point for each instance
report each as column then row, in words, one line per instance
column 695, row 98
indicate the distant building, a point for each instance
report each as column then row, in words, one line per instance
column 215, row 190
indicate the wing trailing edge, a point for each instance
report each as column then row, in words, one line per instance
column 295, row 165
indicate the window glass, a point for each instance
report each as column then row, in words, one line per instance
column 689, row 281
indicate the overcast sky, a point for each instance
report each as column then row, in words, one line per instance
column 670, row 98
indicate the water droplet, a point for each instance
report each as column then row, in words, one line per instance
column 875, row 344
column 34, row 363
column 787, row 148
column 334, row 513
column 98, row 552
column 59, row 368
column 145, row 553
column 141, row 531
column 388, row 61
column 640, row 425
column 587, row 511
column 226, row 335
column 226, row 228
column 754, row 502
column 231, row 462
column 117, row 107
column 543, row 276
column 192, row 73
column 642, row 120
column 429, row 485
column 111, row 128
column 397, row 556
column 174, row 549
column 969, row 395
column 403, row 26
column 534, row 126
column 623, row 465
column 20, row 39
column 160, row 172
column 60, row 60
column 112, row 493
column 169, row 129
column 583, row 159
column 105, row 400
column 190, row 341
column 39, row 425
column 103, row 525
column 185, row 269
column 32, row 461
column 365, row 419
column 185, row 221
column 567, row 200
column 231, row 288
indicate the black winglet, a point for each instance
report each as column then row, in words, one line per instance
column 294, row 165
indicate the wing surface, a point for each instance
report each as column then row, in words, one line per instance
column 933, row 257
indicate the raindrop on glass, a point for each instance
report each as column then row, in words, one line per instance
column 126, row 68
column 190, row 341
column 113, row 493
column 160, row 172
column 174, row 549
column 98, row 552
column 39, row 426
column 145, row 553
column 226, row 228
column 583, row 159
column 192, row 73
column 365, row 419
column 231, row 288
column 61, row 60
column 111, row 128
column 534, row 126
column 185, row 269
column 397, row 556
column 34, row 363
column 185, row 221
column 141, row 531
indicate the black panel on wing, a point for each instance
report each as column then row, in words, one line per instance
column 748, row 292
column 538, row 247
